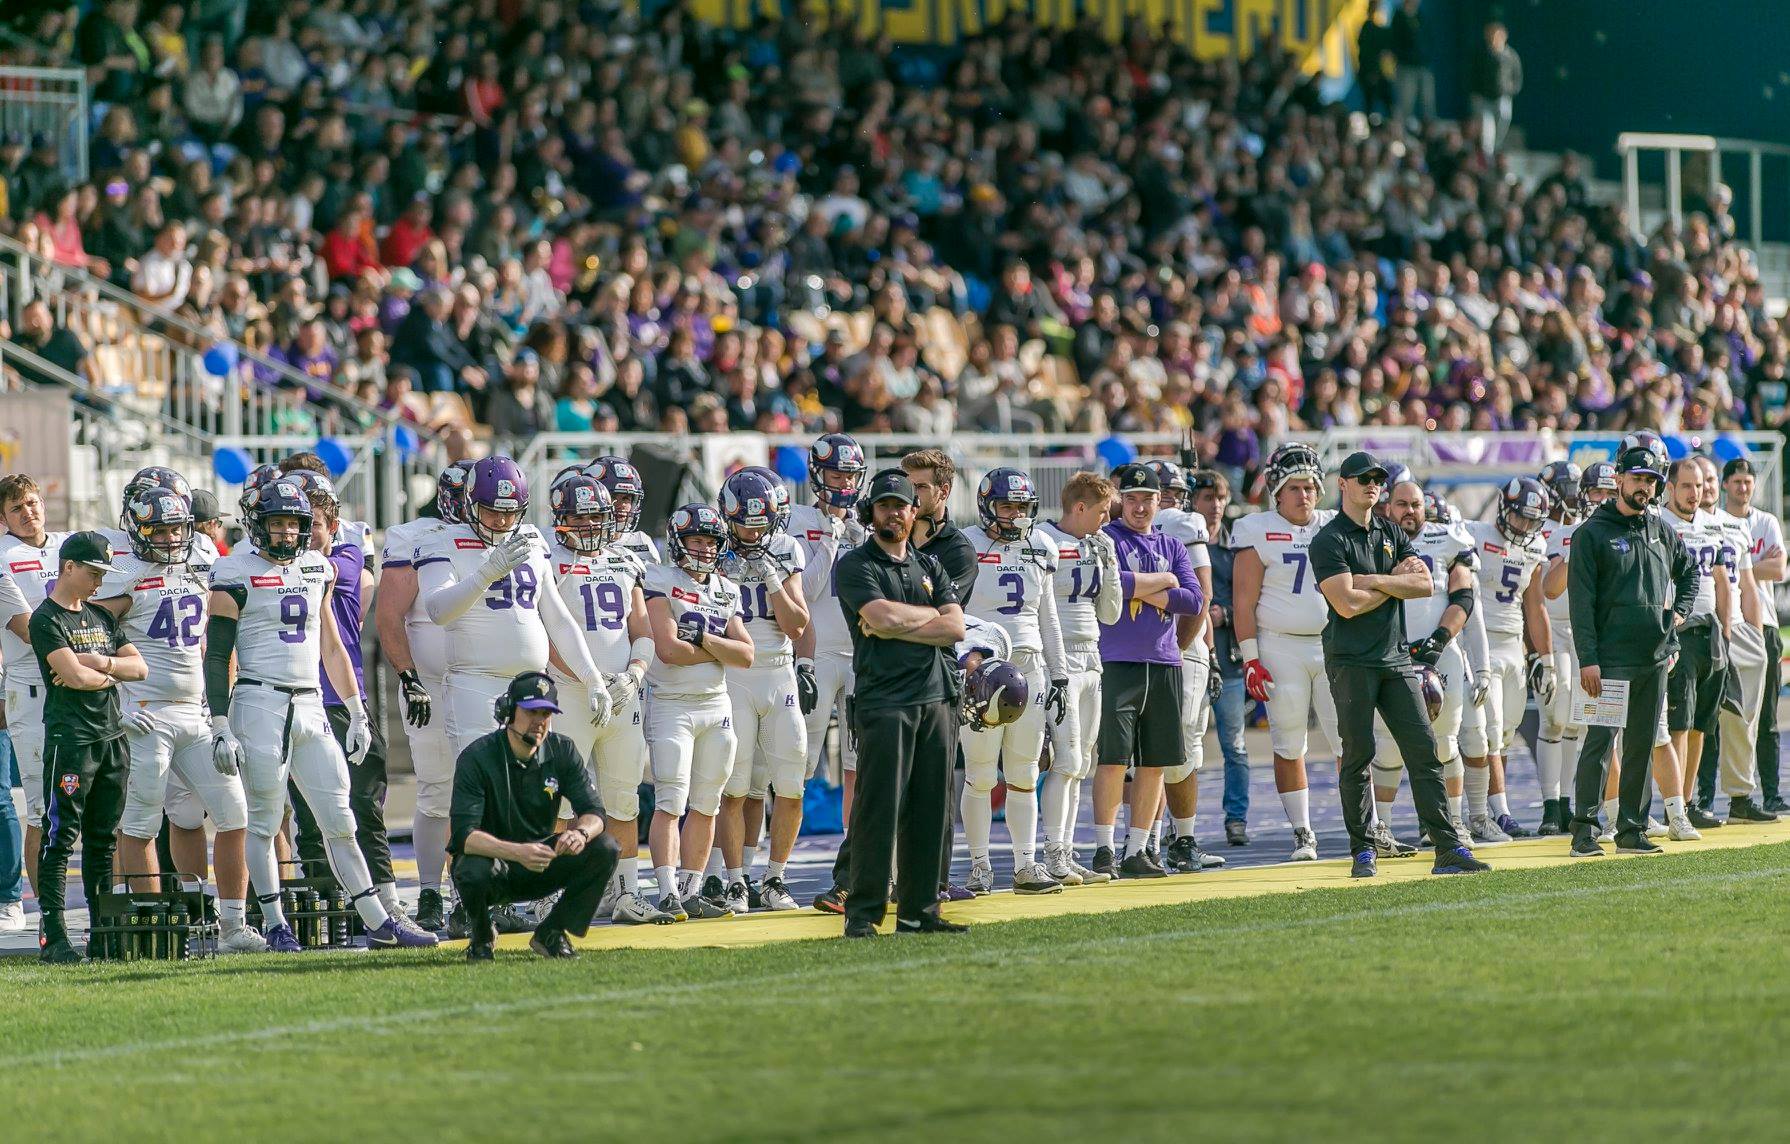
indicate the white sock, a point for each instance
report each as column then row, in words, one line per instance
column 1457, row 807
column 716, row 863
column 735, row 876
column 630, row 872
column 1136, row 840
column 748, row 855
column 666, row 876
column 1498, row 805
column 1022, row 825
column 1674, row 807
column 978, row 821
column 1383, row 811
column 1612, row 807
column 1298, row 806
column 1103, row 835
column 1477, row 780
column 388, row 897
column 350, row 869
column 264, row 876
column 774, row 869
column 1550, row 756
column 687, row 882
column 230, row 913
column 1053, row 803
column 1071, row 812
column 1155, row 834
column 431, row 838
column 1184, row 826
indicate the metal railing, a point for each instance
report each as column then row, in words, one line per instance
column 51, row 102
column 374, row 486
column 1631, row 145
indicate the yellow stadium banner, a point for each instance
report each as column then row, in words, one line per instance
column 1321, row 32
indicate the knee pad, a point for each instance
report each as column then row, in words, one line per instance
column 263, row 817
column 671, row 781
column 1385, row 776
column 1454, row 768
column 1022, row 776
column 434, row 799
column 231, row 812
column 785, row 777
column 979, row 775
column 1180, row 773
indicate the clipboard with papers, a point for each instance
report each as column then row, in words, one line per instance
column 1609, row 709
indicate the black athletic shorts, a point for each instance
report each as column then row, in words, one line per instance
column 1693, row 690
column 1140, row 715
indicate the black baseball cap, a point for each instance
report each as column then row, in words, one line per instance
column 1738, row 465
column 1136, row 478
column 89, row 548
column 534, row 691
column 890, row 483
column 205, row 506
column 1360, row 464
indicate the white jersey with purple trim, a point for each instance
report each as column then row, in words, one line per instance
column 1438, row 546
column 428, row 642
column 280, row 607
column 1703, row 536
column 1016, row 588
column 1290, row 602
column 1737, row 548
column 1077, row 584
column 1190, row 529
column 716, row 600
column 165, row 620
column 27, row 573
column 755, row 594
column 598, row 589
column 502, row 634
column 1768, row 538
column 989, row 639
column 1557, row 539
column 824, row 539
column 641, row 545
column 1505, row 569
column 203, row 555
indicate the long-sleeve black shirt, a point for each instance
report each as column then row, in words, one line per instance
column 1626, row 576
column 513, row 799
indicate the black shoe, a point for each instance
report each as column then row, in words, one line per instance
column 1701, row 818
column 1236, row 832
column 1104, row 862
column 511, row 919
column 831, row 902
column 429, row 909
column 1553, row 821
column 480, row 951
column 1460, row 860
column 1776, row 805
column 59, row 952
column 1364, row 866
column 713, row 888
column 1744, row 809
column 1139, row 866
column 456, row 923
column 754, row 897
column 1585, row 845
column 1184, row 857
column 859, row 929
column 928, row 923
column 552, row 943
column 1636, row 844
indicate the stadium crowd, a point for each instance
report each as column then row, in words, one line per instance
column 567, row 219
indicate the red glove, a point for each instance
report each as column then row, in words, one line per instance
column 1257, row 683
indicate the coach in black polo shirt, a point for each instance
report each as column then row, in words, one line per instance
column 507, row 790
column 904, row 617
column 1364, row 566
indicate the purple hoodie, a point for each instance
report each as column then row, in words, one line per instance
column 1145, row 633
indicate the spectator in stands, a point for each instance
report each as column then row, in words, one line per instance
column 1414, row 80
column 1495, row 79
column 163, row 276
column 39, row 333
column 60, row 224
column 212, row 96
column 520, row 408
column 424, row 342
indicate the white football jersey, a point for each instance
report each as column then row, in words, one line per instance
column 1016, row 588
column 755, row 594
column 824, row 539
column 203, row 555
column 1703, row 536
column 27, row 574
column 1737, row 548
column 716, row 600
column 428, row 642
column 641, row 545
column 989, row 639
column 277, row 636
column 1078, row 582
column 1768, row 536
column 1438, row 546
column 166, row 622
column 599, row 592
column 1505, row 569
column 1190, row 529
column 1290, row 602
column 1558, row 540
column 502, row 634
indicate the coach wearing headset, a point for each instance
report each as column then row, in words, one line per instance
column 507, row 789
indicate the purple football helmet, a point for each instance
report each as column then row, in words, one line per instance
column 626, row 489
column 583, row 513
column 318, row 489
column 251, row 484
column 994, row 694
column 689, row 523
column 158, row 508
column 1429, row 681
column 838, row 453
column 1599, row 476
column 282, row 496
column 1563, row 480
column 450, row 492
column 749, row 501
column 1436, row 509
column 1522, row 506
column 496, row 485
column 1008, row 486
column 1174, row 482
column 779, row 495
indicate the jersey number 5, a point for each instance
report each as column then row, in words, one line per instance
column 1507, row 590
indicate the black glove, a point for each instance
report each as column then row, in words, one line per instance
column 1214, row 685
column 807, row 690
column 691, row 628
column 1057, row 696
column 1429, row 649
column 416, row 699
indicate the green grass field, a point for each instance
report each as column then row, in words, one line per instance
column 1591, row 1001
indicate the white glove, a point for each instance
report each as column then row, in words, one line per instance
column 623, row 687
column 226, row 752
column 837, row 525
column 139, row 722
column 1104, row 549
column 508, row 554
column 600, row 710
column 359, row 739
column 1479, row 686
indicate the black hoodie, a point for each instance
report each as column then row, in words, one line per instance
column 1626, row 576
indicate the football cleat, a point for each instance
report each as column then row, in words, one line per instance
column 737, row 899
column 554, row 944
column 831, row 902
column 776, row 896
column 672, row 907
column 952, row 892
column 1105, row 863
column 1656, row 828
column 1460, row 860
column 512, row 918
column 701, row 907
column 12, row 917
column 1386, row 845
column 1460, row 828
column 429, row 910
column 754, row 894
column 1702, row 819
column 1088, row 877
column 400, row 933
column 1183, row 857
column 1140, row 865
column 1512, row 827
column 929, row 923
column 281, row 939
column 1364, row 866
column 1743, row 809
column 1305, row 844
column 1057, row 865
column 242, row 940
column 633, row 910
column 1638, row 845
column 1681, row 830
column 1608, row 833
column 981, row 879
column 1035, row 879
column 1485, row 831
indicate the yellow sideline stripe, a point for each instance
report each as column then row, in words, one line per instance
column 1285, row 878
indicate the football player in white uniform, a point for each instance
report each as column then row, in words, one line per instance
column 416, row 647
column 28, row 566
column 487, row 583
column 1446, row 636
column 1729, row 752
column 1087, row 595
column 270, row 607
column 1694, row 687
column 698, row 633
column 600, row 583
column 1510, row 552
column 1015, row 588
column 1279, row 617
column 627, row 491
column 826, row 530
column 160, row 603
column 1767, row 537
column 770, row 735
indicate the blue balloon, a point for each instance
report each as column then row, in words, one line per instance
column 220, row 360
column 1676, row 448
column 791, row 463
column 1116, row 451
column 232, row 464
column 336, row 456
column 1727, row 449
column 787, row 163
column 405, row 440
